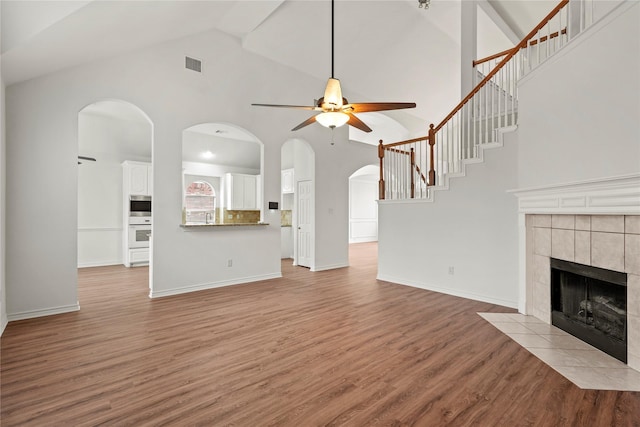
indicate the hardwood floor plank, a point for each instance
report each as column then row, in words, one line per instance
column 327, row 348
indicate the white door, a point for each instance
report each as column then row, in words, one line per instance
column 305, row 223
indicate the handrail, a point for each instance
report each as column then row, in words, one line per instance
column 428, row 154
column 550, row 36
column 477, row 62
column 504, row 52
column 501, row 64
column 408, row 141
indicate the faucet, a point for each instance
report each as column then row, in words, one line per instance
column 208, row 217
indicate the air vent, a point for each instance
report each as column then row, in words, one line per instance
column 193, row 64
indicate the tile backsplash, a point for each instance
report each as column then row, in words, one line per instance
column 240, row 217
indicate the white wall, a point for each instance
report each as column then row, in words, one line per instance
column 100, row 227
column 42, row 148
column 3, row 169
column 472, row 227
column 491, row 39
column 579, row 111
column 578, row 120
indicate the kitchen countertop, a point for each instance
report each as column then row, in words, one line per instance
column 221, row 225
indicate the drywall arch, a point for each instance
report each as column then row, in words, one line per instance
column 363, row 206
column 211, row 150
column 111, row 131
column 299, row 155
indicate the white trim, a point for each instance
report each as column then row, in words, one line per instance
column 104, row 263
column 447, row 291
column 329, row 266
column 612, row 195
column 212, row 285
column 91, row 229
column 43, row 312
column 5, row 321
column 522, row 264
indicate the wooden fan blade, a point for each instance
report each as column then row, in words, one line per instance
column 365, row 107
column 87, row 158
column 299, row 107
column 357, row 123
column 307, row 122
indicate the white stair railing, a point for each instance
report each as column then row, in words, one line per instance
column 409, row 168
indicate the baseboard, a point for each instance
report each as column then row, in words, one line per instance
column 3, row 325
column 329, row 266
column 455, row 293
column 212, row 285
column 43, row 312
column 99, row 263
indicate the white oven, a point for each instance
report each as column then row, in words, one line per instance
column 139, row 232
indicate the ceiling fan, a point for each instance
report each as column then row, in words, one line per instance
column 335, row 110
column 91, row 159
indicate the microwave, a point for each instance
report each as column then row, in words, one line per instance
column 139, row 205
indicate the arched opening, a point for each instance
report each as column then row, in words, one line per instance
column 363, row 213
column 113, row 135
column 298, row 202
column 363, row 208
column 221, row 162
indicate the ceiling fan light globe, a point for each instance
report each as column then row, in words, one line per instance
column 332, row 119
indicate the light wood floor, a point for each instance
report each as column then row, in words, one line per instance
column 325, row 348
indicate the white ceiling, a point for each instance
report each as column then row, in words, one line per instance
column 386, row 50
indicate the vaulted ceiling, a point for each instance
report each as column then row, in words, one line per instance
column 386, row 50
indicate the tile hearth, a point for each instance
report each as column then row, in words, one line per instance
column 580, row 363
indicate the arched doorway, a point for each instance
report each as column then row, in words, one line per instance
column 110, row 134
column 363, row 208
column 221, row 175
column 298, row 202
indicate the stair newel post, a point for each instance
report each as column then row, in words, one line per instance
column 411, row 169
column 432, row 142
column 381, row 191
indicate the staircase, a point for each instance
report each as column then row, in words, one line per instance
column 415, row 168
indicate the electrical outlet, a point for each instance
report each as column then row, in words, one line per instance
column 451, row 270
column 229, row 263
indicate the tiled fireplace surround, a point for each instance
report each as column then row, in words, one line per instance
column 596, row 223
column 606, row 241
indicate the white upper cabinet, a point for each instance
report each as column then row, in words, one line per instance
column 137, row 178
column 286, row 179
column 241, row 192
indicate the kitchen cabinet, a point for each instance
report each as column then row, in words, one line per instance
column 139, row 256
column 241, row 192
column 286, row 180
column 138, row 178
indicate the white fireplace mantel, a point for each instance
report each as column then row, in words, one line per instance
column 618, row 195
column 559, row 221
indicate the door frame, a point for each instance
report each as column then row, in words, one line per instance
column 312, row 227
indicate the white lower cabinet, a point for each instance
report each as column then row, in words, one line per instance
column 138, row 256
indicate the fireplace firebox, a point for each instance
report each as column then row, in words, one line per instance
column 591, row 304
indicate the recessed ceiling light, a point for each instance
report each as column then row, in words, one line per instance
column 208, row 155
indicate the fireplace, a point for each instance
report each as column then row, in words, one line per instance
column 591, row 304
